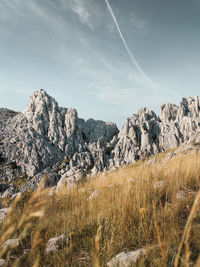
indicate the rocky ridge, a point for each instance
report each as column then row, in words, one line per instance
column 48, row 139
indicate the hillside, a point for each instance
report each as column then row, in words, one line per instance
column 148, row 206
column 77, row 192
column 48, row 139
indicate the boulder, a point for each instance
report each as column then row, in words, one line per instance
column 14, row 246
column 3, row 214
column 2, row 262
column 56, row 244
column 127, row 259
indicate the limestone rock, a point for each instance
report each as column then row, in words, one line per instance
column 9, row 192
column 70, row 178
column 50, row 140
column 138, row 137
column 145, row 134
column 126, row 259
column 41, row 137
column 93, row 130
column 14, row 246
column 2, row 262
column 3, row 214
column 180, row 195
column 6, row 114
column 56, row 243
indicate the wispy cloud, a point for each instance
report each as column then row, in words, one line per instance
column 14, row 10
column 87, row 12
column 81, row 8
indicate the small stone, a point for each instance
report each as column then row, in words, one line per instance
column 2, row 262
column 3, row 213
column 14, row 246
column 158, row 184
column 126, row 259
column 56, row 243
column 180, row 195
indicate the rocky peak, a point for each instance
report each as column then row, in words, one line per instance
column 189, row 107
column 168, row 112
column 46, row 138
column 145, row 114
column 45, row 134
column 5, row 114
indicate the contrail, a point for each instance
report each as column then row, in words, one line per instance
column 132, row 57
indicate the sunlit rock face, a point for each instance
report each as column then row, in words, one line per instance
column 44, row 135
column 144, row 133
column 48, row 139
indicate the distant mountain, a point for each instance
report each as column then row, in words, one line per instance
column 48, row 139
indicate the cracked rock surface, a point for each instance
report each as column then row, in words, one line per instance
column 50, row 140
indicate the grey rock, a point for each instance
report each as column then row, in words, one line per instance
column 3, row 214
column 48, row 139
column 2, row 262
column 14, row 246
column 6, row 114
column 56, row 244
column 9, row 192
column 168, row 112
column 94, row 129
column 138, row 137
column 126, row 259
column 70, row 178
column 180, row 195
column 41, row 137
column 145, row 134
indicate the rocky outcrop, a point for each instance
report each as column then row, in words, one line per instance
column 3, row 214
column 5, row 114
column 2, row 262
column 12, row 246
column 138, row 137
column 56, row 243
column 127, row 259
column 50, row 140
column 144, row 133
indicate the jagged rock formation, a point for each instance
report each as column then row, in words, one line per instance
column 144, row 133
column 5, row 114
column 46, row 136
column 49, row 139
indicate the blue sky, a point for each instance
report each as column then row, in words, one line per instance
column 73, row 50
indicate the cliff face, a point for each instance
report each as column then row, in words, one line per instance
column 144, row 133
column 46, row 138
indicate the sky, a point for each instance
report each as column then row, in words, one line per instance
column 105, row 58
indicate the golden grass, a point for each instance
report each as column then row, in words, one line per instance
column 127, row 214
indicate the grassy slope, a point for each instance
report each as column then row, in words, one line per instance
column 129, row 213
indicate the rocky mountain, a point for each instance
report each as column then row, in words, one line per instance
column 48, row 139
column 5, row 114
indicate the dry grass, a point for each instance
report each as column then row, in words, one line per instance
column 128, row 213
